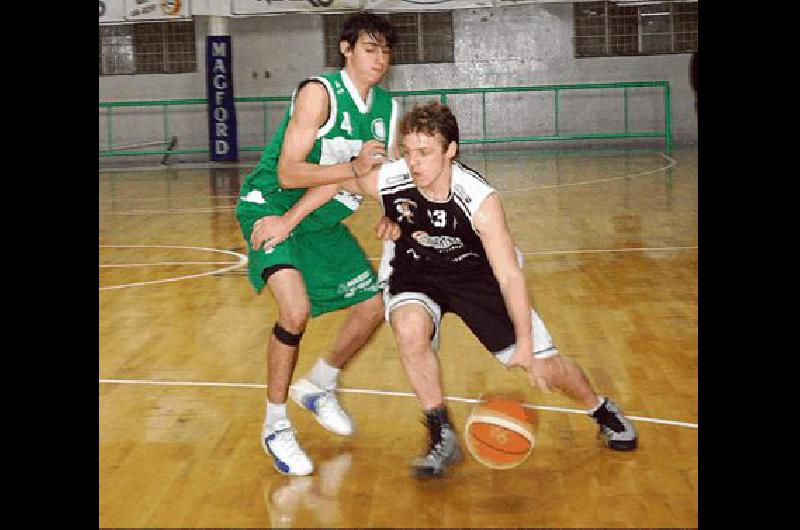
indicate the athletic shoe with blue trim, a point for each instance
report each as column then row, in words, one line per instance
column 280, row 443
column 323, row 404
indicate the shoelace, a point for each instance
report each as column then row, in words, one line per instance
column 285, row 441
column 436, row 450
column 328, row 400
column 609, row 419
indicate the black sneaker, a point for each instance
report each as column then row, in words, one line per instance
column 441, row 453
column 616, row 430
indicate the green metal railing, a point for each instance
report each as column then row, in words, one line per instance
column 442, row 94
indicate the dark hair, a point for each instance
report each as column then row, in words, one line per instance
column 373, row 25
column 429, row 119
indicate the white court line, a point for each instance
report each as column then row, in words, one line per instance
column 594, row 251
column 378, row 393
column 671, row 163
column 170, row 198
column 243, row 260
column 173, row 211
column 597, row 251
column 582, row 183
column 165, row 263
column 241, row 263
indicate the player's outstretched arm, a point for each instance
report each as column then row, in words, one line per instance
column 490, row 222
column 311, row 113
column 271, row 230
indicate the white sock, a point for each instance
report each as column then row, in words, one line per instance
column 274, row 413
column 324, row 375
column 600, row 400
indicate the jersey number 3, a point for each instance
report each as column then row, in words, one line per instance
column 438, row 218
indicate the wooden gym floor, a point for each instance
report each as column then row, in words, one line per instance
column 610, row 242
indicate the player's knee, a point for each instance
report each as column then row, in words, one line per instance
column 295, row 318
column 412, row 330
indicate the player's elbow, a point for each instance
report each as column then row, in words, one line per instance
column 511, row 279
column 286, row 175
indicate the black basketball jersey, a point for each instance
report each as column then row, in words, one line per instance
column 436, row 236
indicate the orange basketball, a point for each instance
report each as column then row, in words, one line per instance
column 499, row 433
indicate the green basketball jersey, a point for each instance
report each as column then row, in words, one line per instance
column 351, row 122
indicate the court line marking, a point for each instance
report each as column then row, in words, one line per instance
column 164, row 263
column 210, row 209
column 670, row 163
column 381, row 393
column 172, row 198
column 597, row 251
column 245, row 166
column 242, row 256
column 241, row 263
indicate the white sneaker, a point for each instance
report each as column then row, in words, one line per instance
column 323, row 404
column 280, row 443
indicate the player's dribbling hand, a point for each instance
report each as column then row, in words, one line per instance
column 269, row 231
column 523, row 357
column 387, row 229
column 372, row 153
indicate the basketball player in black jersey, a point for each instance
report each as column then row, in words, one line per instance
column 456, row 255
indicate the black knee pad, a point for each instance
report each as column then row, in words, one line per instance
column 286, row 337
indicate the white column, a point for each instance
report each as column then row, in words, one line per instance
column 218, row 26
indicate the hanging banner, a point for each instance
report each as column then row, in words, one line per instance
column 274, row 7
column 447, row 5
column 156, row 10
column 255, row 7
column 426, row 5
column 116, row 11
column 112, row 11
column 221, row 111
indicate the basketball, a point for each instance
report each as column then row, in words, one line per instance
column 500, row 433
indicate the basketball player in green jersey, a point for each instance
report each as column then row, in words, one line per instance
column 338, row 126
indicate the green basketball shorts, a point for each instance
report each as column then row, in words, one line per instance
column 335, row 270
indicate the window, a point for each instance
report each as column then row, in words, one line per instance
column 116, row 50
column 419, row 37
column 148, row 48
column 632, row 27
column 684, row 19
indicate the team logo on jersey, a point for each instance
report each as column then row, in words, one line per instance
column 406, row 209
column 440, row 243
column 379, row 129
column 458, row 189
column 338, row 87
column 363, row 282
